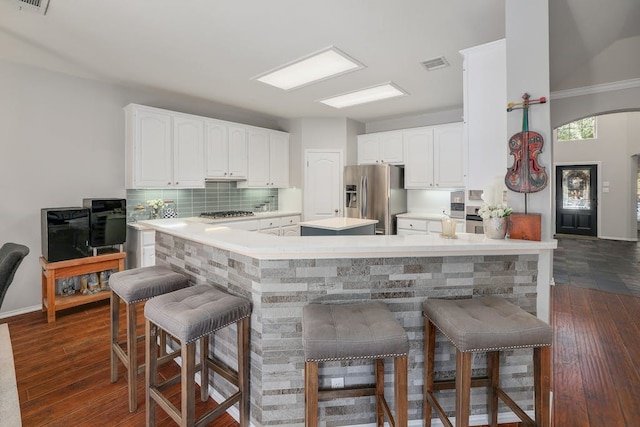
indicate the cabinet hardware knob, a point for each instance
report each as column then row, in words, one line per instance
column 169, row 183
column 225, row 173
column 230, row 173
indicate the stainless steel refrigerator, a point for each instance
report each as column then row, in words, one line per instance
column 375, row 192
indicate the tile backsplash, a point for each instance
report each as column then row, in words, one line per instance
column 216, row 196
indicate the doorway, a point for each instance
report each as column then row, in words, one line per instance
column 323, row 184
column 577, row 200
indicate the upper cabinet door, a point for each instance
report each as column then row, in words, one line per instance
column 383, row 147
column 392, row 147
column 188, row 152
column 216, row 150
column 279, row 159
column 237, row 137
column 448, row 151
column 258, row 158
column 368, row 149
column 152, row 152
column 418, row 171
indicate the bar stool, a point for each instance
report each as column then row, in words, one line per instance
column 131, row 287
column 189, row 315
column 489, row 324
column 355, row 331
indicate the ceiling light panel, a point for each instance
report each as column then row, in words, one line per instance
column 363, row 96
column 327, row 63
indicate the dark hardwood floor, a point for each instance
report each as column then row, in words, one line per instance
column 63, row 372
column 63, row 375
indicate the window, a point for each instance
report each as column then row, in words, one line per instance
column 580, row 129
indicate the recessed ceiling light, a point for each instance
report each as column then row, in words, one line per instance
column 362, row 96
column 327, row 63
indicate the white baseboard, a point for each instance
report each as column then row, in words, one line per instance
column 20, row 311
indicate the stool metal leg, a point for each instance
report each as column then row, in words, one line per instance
column 463, row 388
column 401, row 391
column 311, row 394
column 151, row 351
column 115, row 324
column 493, row 372
column 542, row 385
column 379, row 392
column 243, row 371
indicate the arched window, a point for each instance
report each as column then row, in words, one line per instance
column 580, row 129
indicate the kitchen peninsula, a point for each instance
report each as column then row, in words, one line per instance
column 281, row 275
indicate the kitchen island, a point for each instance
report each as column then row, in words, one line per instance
column 281, row 275
column 339, row 226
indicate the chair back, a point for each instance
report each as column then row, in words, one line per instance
column 11, row 255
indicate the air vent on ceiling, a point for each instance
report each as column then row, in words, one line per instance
column 435, row 63
column 39, row 6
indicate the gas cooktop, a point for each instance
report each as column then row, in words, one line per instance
column 226, row 214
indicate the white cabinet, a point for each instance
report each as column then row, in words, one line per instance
column 225, row 150
column 280, row 226
column 408, row 226
column 382, row 147
column 434, row 157
column 485, row 114
column 418, row 170
column 448, row 156
column 163, row 149
column 188, row 149
column 268, row 159
column 141, row 247
column 411, row 226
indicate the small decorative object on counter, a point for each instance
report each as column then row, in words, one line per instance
column 155, row 205
column 495, row 220
column 170, row 210
column 139, row 213
column 449, row 228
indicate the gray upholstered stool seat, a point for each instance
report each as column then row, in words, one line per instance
column 489, row 324
column 485, row 324
column 354, row 331
column 140, row 284
column 134, row 286
column 189, row 315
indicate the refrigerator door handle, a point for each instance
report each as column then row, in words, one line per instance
column 363, row 196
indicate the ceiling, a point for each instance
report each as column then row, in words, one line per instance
column 212, row 49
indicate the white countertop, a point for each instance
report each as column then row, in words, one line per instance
column 141, row 225
column 338, row 223
column 431, row 216
column 265, row 246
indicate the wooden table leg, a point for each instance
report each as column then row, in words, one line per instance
column 51, row 296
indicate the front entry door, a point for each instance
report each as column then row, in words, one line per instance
column 577, row 200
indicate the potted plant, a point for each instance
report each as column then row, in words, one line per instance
column 495, row 220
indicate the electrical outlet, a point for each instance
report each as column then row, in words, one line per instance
column 337, row 382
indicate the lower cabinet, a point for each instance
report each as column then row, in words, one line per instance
column 280, row 226
column 408, row 226
column 141, row 247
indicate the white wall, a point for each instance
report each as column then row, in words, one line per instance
column 612, row 149
column 63, row 140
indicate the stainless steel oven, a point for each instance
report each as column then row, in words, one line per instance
column 473, row 220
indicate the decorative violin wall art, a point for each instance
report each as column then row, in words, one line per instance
column 526, row 175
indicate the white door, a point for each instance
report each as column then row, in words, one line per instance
column 279, row 159
column 323, row 184
column 258, row 158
